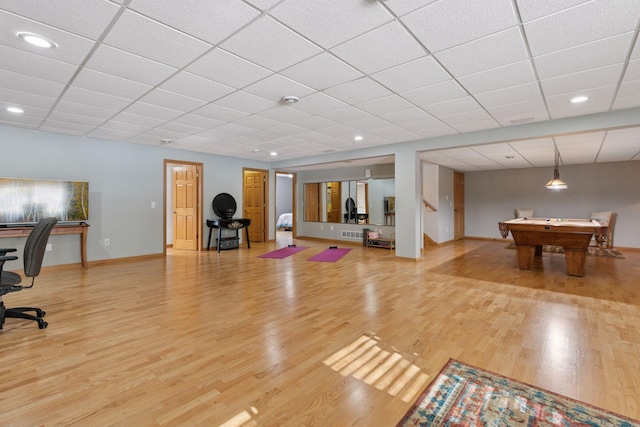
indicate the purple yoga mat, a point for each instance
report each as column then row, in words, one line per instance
column 330, row 255
column 283, row 252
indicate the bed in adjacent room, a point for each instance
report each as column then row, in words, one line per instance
column 285, row 221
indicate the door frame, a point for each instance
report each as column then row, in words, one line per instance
column 166, row 189
column 294, row 187
column 265, row 208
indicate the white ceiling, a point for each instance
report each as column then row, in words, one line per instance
column 210, row 74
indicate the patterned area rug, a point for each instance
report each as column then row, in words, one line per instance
column 592, row 250
column 464, row 396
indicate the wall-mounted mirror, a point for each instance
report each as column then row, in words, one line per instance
column 366, row 201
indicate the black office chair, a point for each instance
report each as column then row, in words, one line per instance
column 10, row 282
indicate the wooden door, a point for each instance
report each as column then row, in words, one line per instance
column 458, row 206
column 312, row 202
column 254, row 203
column 334, row 205
column 185, row 205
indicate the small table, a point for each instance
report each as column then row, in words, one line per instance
column 573, row 234
column 82, row 228
column 228, row 224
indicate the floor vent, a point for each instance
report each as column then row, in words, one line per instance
column 349, row 234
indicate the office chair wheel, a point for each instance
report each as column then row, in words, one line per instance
column 42, row 324
column 40, row 313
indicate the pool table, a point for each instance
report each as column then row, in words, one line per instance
column 529, row 234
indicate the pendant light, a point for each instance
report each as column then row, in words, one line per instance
column 556, row 183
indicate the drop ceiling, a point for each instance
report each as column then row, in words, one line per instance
column 210, row 75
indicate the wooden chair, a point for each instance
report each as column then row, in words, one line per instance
column 609, row 219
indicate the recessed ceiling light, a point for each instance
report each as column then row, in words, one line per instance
column 37, row 40
column 358, row 138
column 256, row 150
column 15, row 110
column 509, row 156
column 273, row 153
column 167, row 141
column 577, row 99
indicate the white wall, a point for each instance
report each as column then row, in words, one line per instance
column 491, row 196
column 124, row 179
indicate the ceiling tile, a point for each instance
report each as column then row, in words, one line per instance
column 119, row 63
column 407, row 6
column 284, row 114
column 196, row 87
column 599, row 99
column 509, row 95
column 533, row 110
column 30, row 64
column 386, row 105
column 342, row 20
column 65, row 127
column 150, row 39
column 628, row 95
column 208, row 20
column 454, row 106
column 586, row 23
column 318, row 103
column 133, row 119
column 314, row 122
column 218, row 112
column 111, row 134
column 70, row 48
column 96, row 99
column 246, row 102
column 153, row 111
column 87, row 18
column 263, row 4
column 533, row 9
column 357, row 91
column 198, row 121
column 578, row 82
column 227, row 68
column 581, row 58
column 448, row 23
column 172, row 100
column 424, row 71
column 633, row 71
column 579, row 149
column 620, row 145
column 270, row 44
column 489, row 52
column 346, row 115
column 322, row 71
column 439, row 92
column 111, row 85
column 74, row 108
column 509, row 75
column 22, row 83
column 407, row 116
column 275, row 87
column 380, row 49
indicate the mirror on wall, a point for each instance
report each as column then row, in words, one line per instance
column 367, row 201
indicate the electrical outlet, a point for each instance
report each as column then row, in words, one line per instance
column 153, row 205
column 106, row 242
column 49, row 247
column 321, row 227
column 332, row 228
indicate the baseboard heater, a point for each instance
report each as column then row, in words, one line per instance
column 350, row 234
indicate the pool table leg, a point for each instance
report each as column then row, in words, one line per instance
column 575, row 259
column 525, row 256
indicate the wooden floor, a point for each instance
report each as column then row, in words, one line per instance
column 230, row 339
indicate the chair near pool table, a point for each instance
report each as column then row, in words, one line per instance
column 523, row 213
column 609, row 218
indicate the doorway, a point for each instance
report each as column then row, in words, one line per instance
column 182, row 205
column 285, row 206
column 458, row 205
column 255, row 201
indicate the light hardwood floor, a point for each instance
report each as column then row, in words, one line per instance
column 231, row 339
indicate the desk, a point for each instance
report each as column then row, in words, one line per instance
column 82, row 229
column 573, row 234
column 228, row 224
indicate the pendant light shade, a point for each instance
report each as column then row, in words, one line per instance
column 556, row 183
